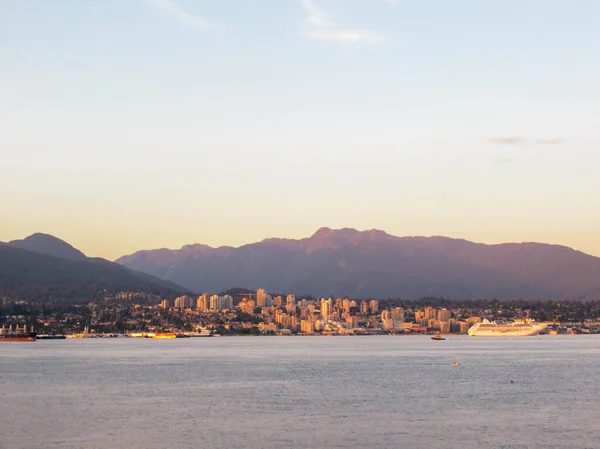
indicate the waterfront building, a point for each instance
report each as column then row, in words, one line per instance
column 443, row 315
column 445, row 327
column 398, row 314
column 429, row 313
column 307, row 327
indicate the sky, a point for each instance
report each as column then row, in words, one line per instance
column 141, row 124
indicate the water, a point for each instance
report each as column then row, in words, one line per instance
column 301, row 392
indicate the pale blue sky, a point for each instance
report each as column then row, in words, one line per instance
column 132, row 124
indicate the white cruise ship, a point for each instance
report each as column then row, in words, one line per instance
column 516, row 329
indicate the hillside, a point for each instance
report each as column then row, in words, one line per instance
column 48, row 244
column 31, row 275
column 376, row 264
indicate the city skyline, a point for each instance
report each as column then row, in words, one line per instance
column 159, row 123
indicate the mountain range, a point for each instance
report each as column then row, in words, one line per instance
column 45, row 267
column 375, row 264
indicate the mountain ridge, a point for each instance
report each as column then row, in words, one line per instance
column 42, row 266
column 48, row 244
column 374, row 263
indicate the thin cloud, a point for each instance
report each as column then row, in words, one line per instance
column 319, row 27
column 548, row 141
column 342, row 35
column 171, row 9
column 504, row 160
column 316, row 16
column 506, row 140
column 521, row 140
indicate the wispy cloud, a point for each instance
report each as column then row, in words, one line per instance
column 320, row 27
column 506, row 140
column 522, row 140
column 171, row 9
column 548, row 141
column 315, row 15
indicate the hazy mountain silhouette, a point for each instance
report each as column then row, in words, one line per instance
column 375, row 264
column 48, row 244
column 71, row 276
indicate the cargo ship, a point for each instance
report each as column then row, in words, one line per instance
column 517, row 329
column 8, row 334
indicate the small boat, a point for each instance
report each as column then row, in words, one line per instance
column 438, row 336
column 456, row 364
column 51, row 337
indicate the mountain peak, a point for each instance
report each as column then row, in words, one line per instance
column 372, row 263
column 48, row 244
column 328, row 232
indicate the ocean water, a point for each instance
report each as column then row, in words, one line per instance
column 301, row 392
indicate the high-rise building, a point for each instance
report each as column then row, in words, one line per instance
column 203, row 302
column 290, row 308
column 214, row 302
column 225, row 302
column 443, row 315
column 364, row 307
column 387, row 324
column 398, row 314
column 326, row 308
column 261, row 297
column 268, row 301
column 290, row 299
column 374, row 304
column 351, row 322
column 346, row 305
column 429, row 313
column 183, row 302
column 304, row 312
column 277, row 301
column 307, row 327
column 164, row 303
column 339, row 303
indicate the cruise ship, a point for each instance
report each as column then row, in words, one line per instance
column 517, row 329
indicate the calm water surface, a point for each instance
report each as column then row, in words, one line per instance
column 301, row 392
